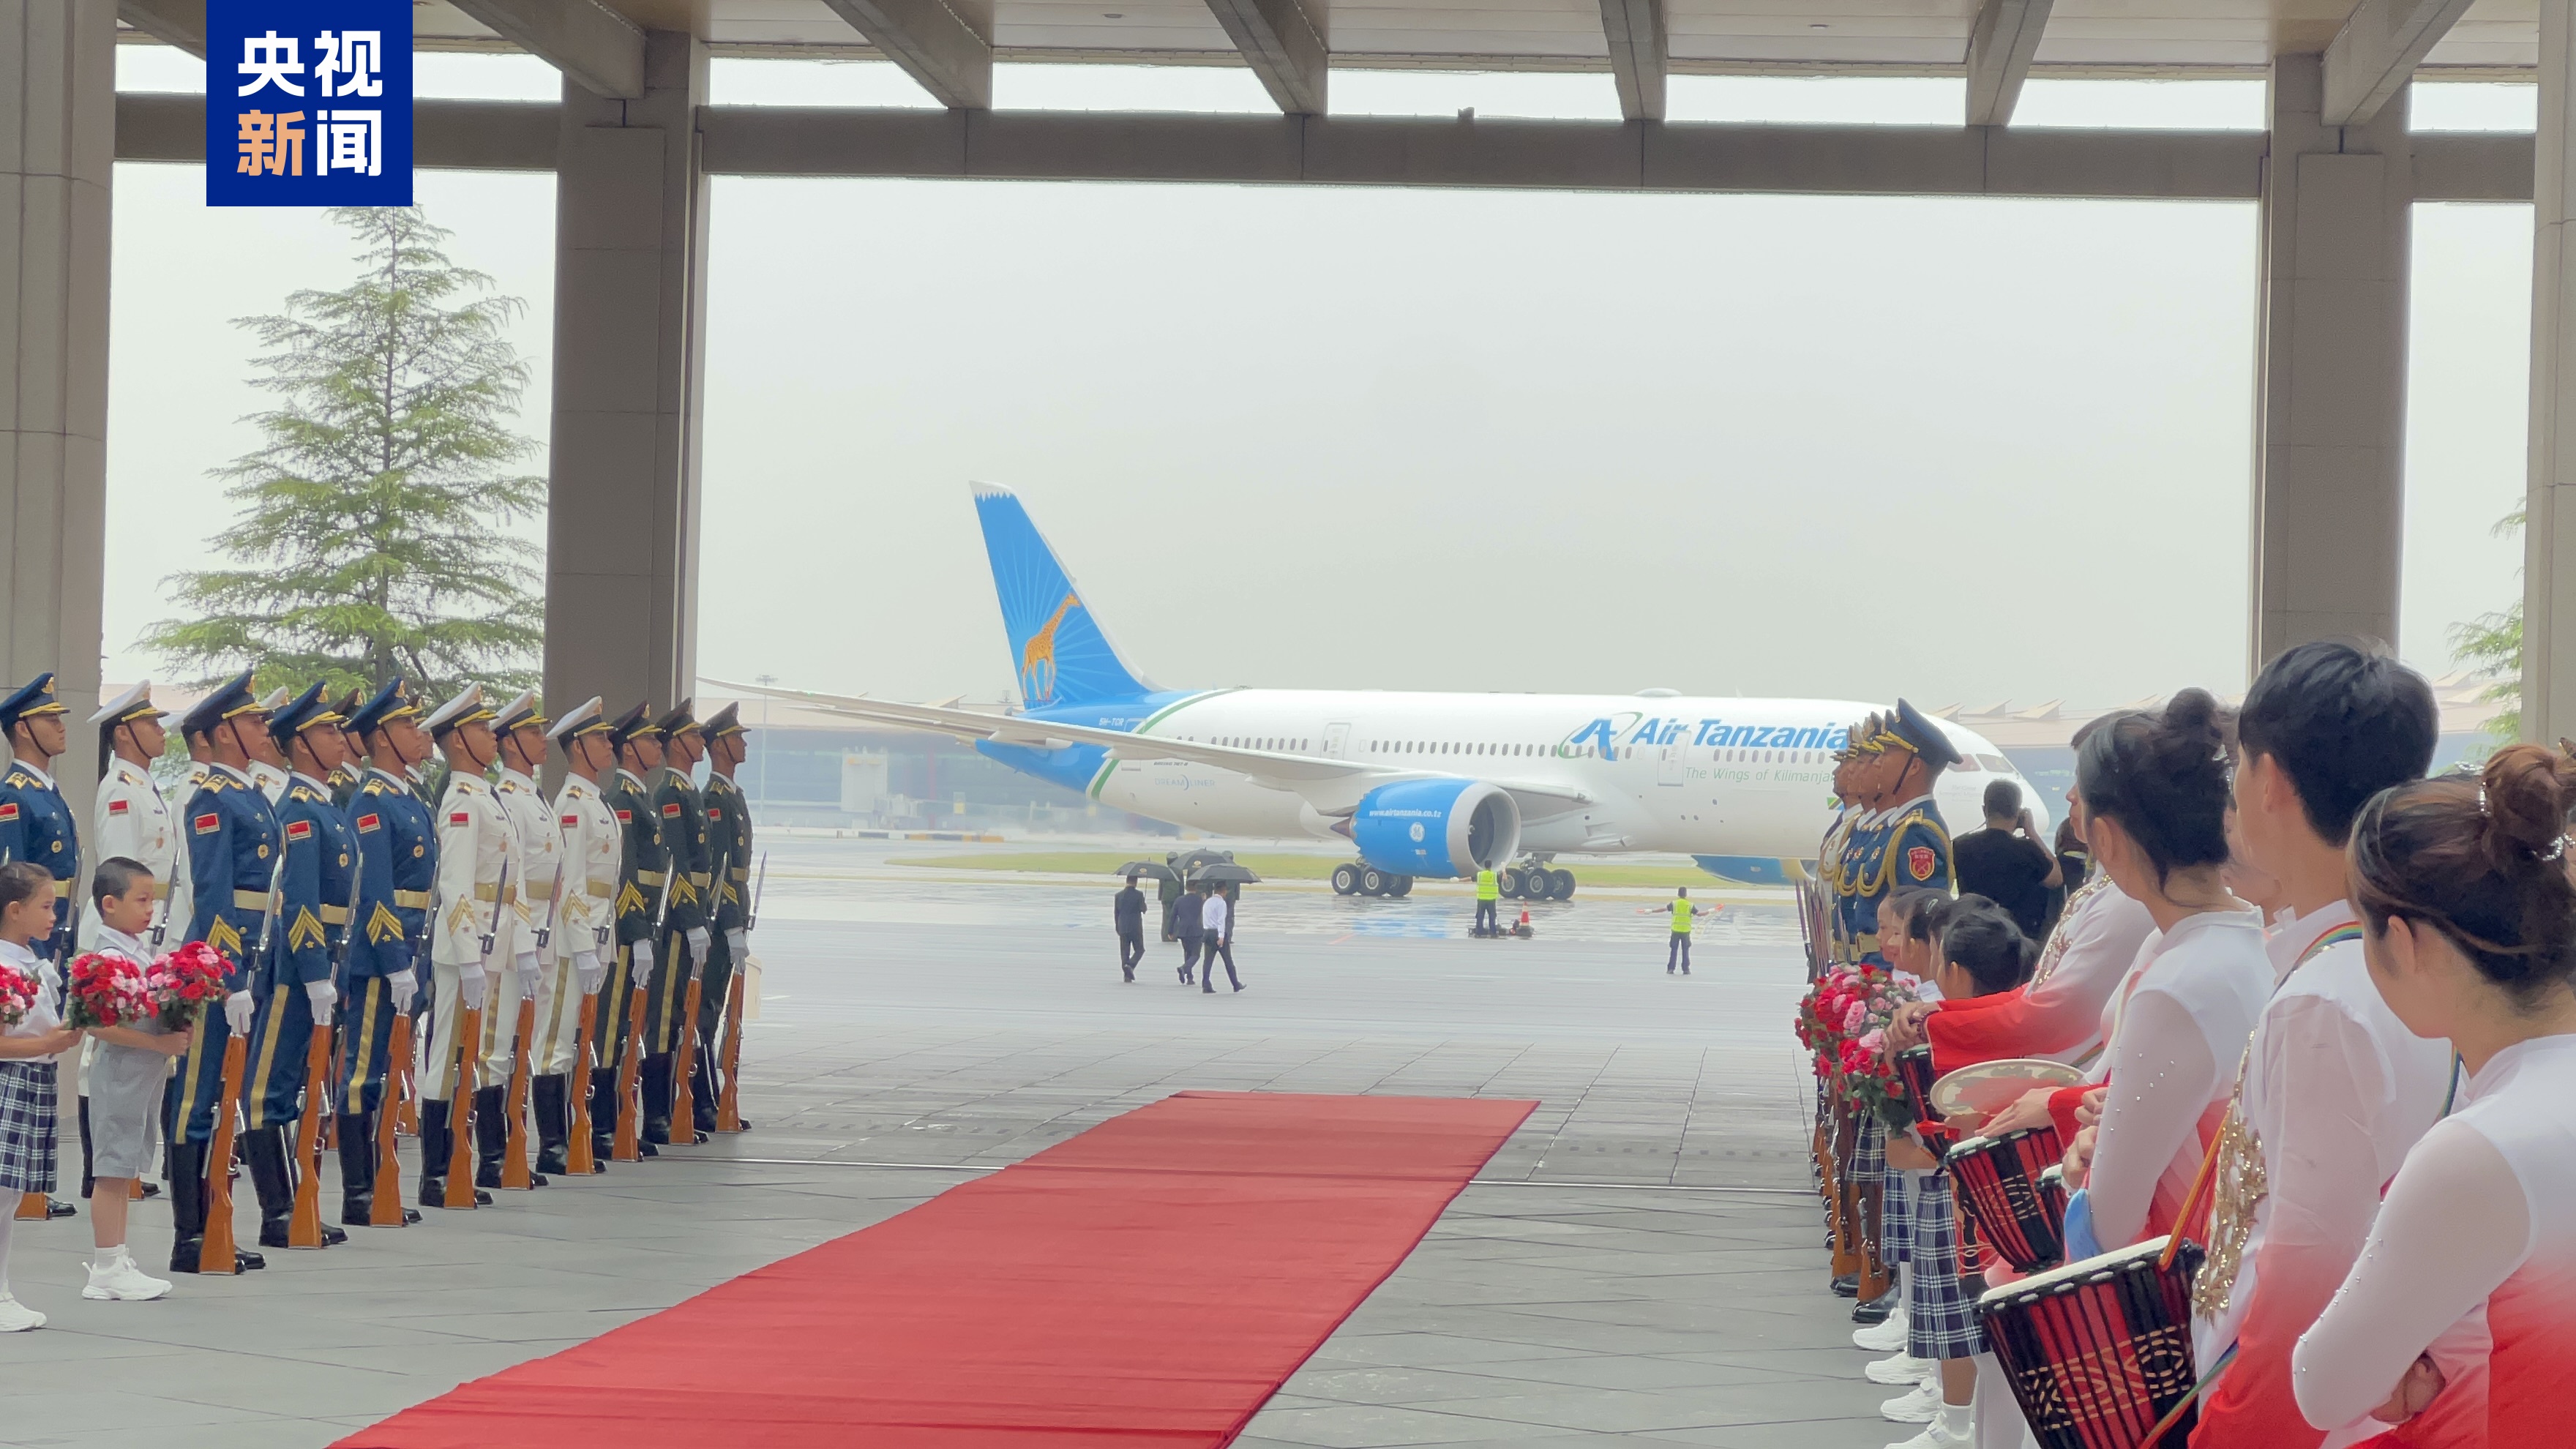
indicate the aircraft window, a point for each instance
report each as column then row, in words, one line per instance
column 1996, row 763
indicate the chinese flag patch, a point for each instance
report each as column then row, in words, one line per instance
column 120, row 807
column 461, row 817
column 625, row 817
column 206, row 824
column 8, row 812
column 571, row 820
column 670, row 811
column 299, row 830
column 1920, row 861
column 369, row 822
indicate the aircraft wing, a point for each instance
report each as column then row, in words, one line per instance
column 1333, row 787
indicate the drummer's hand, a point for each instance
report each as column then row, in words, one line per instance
column 2030, row 1109
column 2079, row 1158
column 2423, row 1380
column 1966, row 1124
column 1905, row 1029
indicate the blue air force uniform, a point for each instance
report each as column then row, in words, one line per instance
column 232, row 861
column 397, row 843
column 35, row 823
column 1906, row 846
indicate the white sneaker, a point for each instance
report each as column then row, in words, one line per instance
column 17, row 1317
column 1918, row 1407
column 1936, row 1437
column 122, row 1280
column 1905, row 1368
column 1885, row 1336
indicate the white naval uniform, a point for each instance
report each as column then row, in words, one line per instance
column 535, row 851
column 592, row 845
column 473, row 844
column 131, row 817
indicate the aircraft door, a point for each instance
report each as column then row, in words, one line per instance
column 1337, row 740
column 1668, row 769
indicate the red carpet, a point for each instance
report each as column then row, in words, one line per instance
column 1150, row 1281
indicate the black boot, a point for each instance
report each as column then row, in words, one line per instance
column 554, row 1127
column 603, row 1116
column 187, row 1205
column 702, row 1094
column 437, row 1146
column 491, row 1134
column 265, row 1150
column 357, row 1169
column 657, row 1099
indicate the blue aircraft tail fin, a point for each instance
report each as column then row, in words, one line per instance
column 1058, row 652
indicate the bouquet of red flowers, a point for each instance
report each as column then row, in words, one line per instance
column 105, row 989
column 1843, row 1021
column 183, row 982
column 17, row 996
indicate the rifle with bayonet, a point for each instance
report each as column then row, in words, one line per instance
column 684, row 1063
column 729, row 1092
column 388, row 1211
column 321, row 1071
column 628, row 1146
column 469, row 1066
column 514, row 1158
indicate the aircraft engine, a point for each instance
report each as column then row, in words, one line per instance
column 1436, row 827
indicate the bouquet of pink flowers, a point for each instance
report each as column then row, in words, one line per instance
column 17, row 996
column 183, row 982
column 105, row 989
column 1843, row 1022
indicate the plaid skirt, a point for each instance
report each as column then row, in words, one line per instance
column 1941, row 1316
column 27, row 1126
column 1869, row 1149
column 1896, row 1218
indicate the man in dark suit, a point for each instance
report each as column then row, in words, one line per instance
column 1129, row 910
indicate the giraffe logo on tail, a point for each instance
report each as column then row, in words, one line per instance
column 1037, row 657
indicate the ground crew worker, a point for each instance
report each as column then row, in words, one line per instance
column 472, row 904
column 1489, row 902
column 680, row 817
column 232, row 857
column 593, row 845
column 297, row 996
column 519, row 732
column 644, row 878
column 1128, row 912
column 1678, row 953
column 397, row 867
column 729, row 909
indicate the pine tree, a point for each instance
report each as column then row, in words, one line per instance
column 370, row 541
column 2491, row 645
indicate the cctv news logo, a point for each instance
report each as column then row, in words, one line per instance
column 308, row 104
column 1634, row 731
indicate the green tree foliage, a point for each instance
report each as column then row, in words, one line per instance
column 2491, row 644
column 370, row 540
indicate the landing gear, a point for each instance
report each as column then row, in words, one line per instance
column 1536, row 881
column 1368, row 880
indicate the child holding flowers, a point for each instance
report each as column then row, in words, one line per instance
column 112, row 997
column 31, row 1036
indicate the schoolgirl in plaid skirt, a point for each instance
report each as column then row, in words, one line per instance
column 27, row 1049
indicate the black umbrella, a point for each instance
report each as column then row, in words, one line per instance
column 1190, row 863
column 1225, row 872
column 1155, row 869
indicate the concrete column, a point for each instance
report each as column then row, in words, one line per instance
column 57, row 150
column 2549, row 534
column 2330, row 366
column 630, row 340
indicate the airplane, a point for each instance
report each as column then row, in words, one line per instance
column 1420, row 784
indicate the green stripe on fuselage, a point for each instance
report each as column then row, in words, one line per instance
column 1100, row 777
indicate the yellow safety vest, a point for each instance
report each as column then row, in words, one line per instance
column 1682, row 917
column 1487, row 888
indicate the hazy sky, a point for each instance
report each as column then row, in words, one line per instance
column 1959, row 449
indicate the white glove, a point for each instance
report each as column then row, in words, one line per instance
column 405, row 986
column 738, row 942
column 323, row 998
column 639, row 965
column 699, row 945
column 469, row 987
column 237, row 1009
column 585, row 965
column 529, row 968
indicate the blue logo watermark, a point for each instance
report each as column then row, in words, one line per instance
column 308, row 103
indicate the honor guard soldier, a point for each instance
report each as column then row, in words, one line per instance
column 398, row 866
column 537, row 863
column 585, row 910
column 468, row 919
column 36, row 825
column 1909, row 848
column 232, row 840
column 729, row 850
column 267, row 763
column 643, row 881
column 1859, row 838
column 680, row 816
column 344, row 780
column 1829, row 851
column 129, row 817
column 315, row 894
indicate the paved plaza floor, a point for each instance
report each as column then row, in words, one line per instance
column 1641, row 1260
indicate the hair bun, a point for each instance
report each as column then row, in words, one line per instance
column 2528, row 790
column 2192, row 716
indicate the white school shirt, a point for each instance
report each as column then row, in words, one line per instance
column 45, row 1015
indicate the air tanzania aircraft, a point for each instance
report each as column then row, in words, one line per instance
column 1419, row 783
